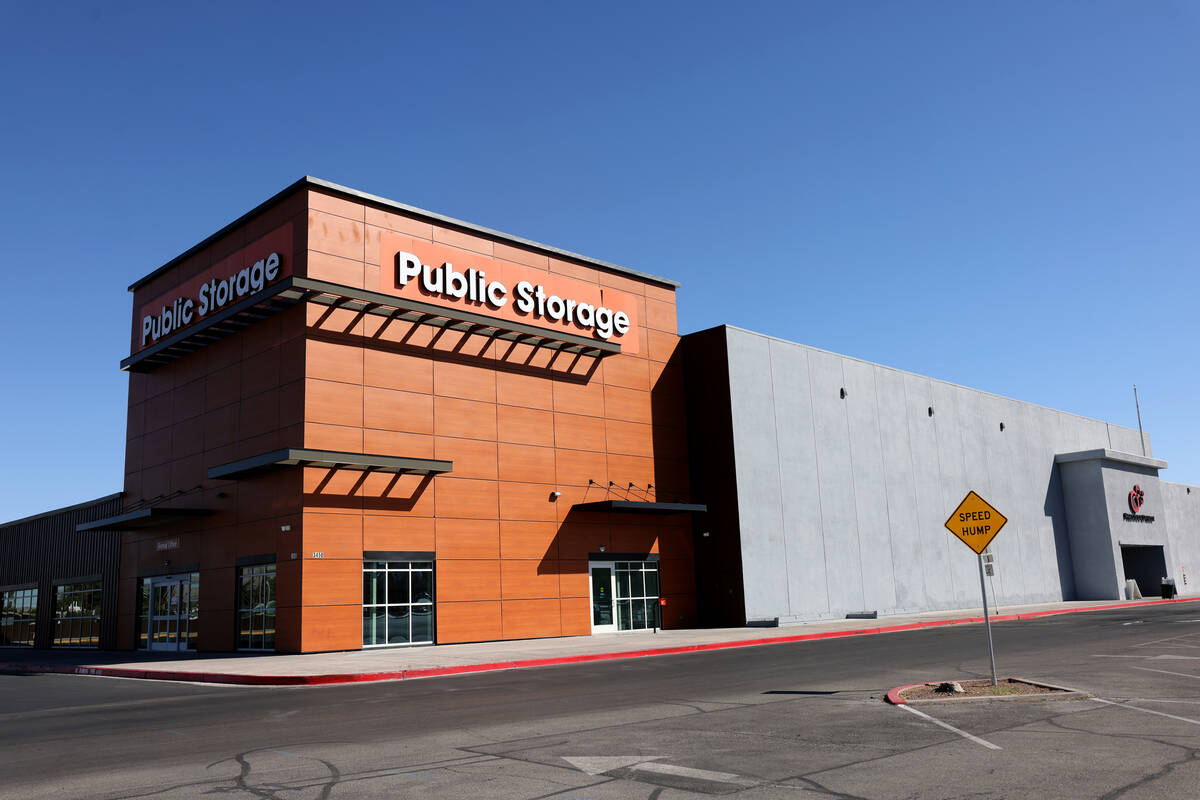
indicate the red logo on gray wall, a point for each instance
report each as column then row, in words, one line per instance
column 1136, row 498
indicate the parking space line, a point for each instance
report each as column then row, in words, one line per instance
column 1148, row 710
column 948, row 727
column 1168, row 672
column 1167, row 639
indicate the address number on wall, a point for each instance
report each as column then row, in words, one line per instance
column 318, row 554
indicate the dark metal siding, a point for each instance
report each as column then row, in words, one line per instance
column 45, row 550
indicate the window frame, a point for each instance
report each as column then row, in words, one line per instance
column 383, row 610
column 73, row 622
column 268, row 592
column 23, row 615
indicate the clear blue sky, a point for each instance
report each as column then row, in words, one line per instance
column 1001, row 195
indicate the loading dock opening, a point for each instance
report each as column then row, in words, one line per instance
column 1145, row 564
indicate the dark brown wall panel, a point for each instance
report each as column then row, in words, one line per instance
column 45, row 550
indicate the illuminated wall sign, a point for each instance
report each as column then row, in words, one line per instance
column 449, row 277
column 241, row 275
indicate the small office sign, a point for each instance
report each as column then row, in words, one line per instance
column 975, row 522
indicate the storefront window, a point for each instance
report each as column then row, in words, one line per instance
column 77, row 614
column 256, row 607
column 637, row 595
column 397, row 603
column 18, row 617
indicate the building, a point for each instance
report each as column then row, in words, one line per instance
column 353, row 423
column 829, row 479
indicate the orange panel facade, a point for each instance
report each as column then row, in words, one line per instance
column 454, row 444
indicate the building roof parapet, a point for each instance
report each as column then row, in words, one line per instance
column 309, row 182
column 1104, row 454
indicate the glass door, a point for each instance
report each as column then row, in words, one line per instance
column 602, row 591
column 172, row 611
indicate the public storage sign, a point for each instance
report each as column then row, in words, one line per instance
column 454, row 278
column 227, row 282
column 975, row 522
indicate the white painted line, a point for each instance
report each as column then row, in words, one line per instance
column 1147, row 710
column 961, row 733
column 1168, row 672
column 1105, row 655
column 1159, row 657
column 698, row 774
column 598, row 765
column 1167, row 639
column 1179, row 644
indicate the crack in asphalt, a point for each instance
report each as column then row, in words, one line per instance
column 1166, row 769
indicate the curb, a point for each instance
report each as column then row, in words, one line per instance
column 894, row 696
column 242, row 679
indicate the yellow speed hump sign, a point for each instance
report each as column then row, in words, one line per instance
column 975, row 522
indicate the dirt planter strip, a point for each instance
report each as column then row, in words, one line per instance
column 981, row 689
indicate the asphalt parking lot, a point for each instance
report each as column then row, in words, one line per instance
column 789, row 720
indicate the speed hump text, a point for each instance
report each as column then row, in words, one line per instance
column 975, row 522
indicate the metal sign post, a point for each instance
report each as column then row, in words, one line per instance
column 975, row 522
column 987, row 621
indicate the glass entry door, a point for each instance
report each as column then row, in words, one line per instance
column 604, row 618
column 172, row 611
column 624, row 595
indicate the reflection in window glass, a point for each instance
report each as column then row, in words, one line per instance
column 77, row 614
column 256, row 607
column 169, row 612
column 18, row 617
column 397, row 603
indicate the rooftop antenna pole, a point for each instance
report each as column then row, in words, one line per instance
column 1141, row 435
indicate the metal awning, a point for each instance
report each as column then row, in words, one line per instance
column 292, row 290
column 142, row 518
column 641, row 507
column 330, row 459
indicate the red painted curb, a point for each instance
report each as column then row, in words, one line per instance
column 433, row 672
column 893, row 695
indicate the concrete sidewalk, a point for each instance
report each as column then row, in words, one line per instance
column 419, row 662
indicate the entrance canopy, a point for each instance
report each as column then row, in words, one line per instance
column 329, row 459
column 641, row 507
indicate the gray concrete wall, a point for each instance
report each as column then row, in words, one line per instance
column 842, row 502
column 1097, row 575
column 1181, row 505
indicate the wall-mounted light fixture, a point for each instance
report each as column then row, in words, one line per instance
column 285, row 528
column 555, row 495
column 931, row 411
column 842, row 392
column 1002, row 427
column 601, row 548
